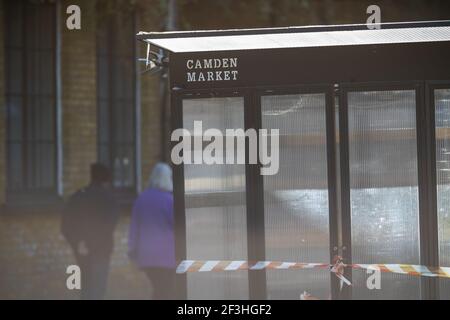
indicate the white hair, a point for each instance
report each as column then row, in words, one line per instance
column 161, row 177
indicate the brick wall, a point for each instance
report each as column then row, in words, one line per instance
column 79, row 97
column 33, row 254
column 149, row 20
column 2, row 111
column 266, row 13
column 34, row 257
column 150, row 126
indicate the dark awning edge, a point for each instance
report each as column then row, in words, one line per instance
column 142, row 35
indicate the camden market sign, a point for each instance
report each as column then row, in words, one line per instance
column 212, row 69
column 304, row 66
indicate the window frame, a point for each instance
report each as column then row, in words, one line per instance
column 426, row 244
column 126, row 193
column 25, row 194
column 330, row 148
column 433, row 222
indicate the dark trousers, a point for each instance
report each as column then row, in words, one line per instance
column 163, row 282
column 94, row 276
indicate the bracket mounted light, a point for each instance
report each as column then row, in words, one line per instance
column 154, row 61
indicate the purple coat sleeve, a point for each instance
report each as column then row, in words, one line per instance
column 171, row 213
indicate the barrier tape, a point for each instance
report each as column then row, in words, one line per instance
column 219, row 265
column 224, row 265
column 409, row 269
column 337, row 267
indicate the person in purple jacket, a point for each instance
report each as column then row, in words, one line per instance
column 151, row 235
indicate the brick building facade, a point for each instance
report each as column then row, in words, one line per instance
column 33, row 254
column 2, row 113
column 101, row 109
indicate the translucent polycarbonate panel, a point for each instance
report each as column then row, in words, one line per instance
column 216, row 227
column 384, row 189
column 442, row 119
column 296, row 198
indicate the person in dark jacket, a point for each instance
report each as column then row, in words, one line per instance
column 88, row 223
column 151, row 235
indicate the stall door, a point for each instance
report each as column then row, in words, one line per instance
column 296, row 199
column 215, row 202
column 383, row 192
column 442, row 122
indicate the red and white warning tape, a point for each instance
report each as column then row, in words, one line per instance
column 409, row 269
column 337, row 267
column 220, row 265
column 223, row 265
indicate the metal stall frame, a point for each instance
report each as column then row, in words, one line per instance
column 377, row 67
column 254, row 182
column 430, row 225
column 422, row 163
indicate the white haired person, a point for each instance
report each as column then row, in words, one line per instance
column 151, row 235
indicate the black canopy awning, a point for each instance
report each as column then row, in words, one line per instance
column 297, row 37
column 413, row 51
